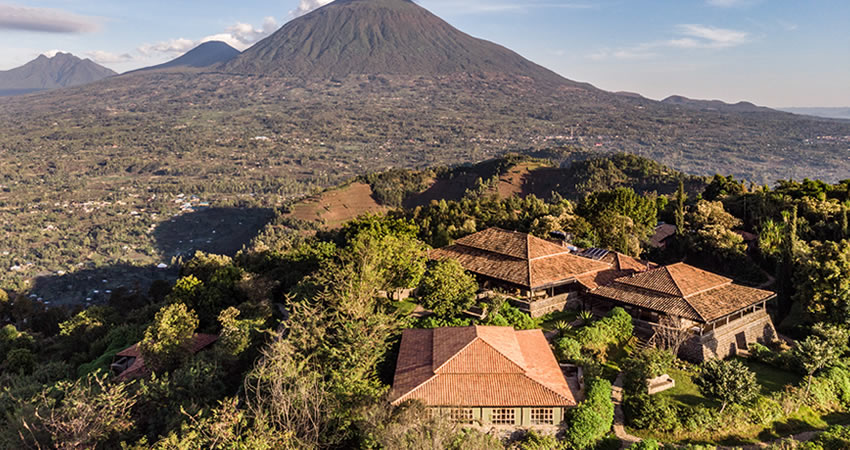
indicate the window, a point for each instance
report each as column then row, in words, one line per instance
column 462, row 415
column 504, row 416
column 542, row 416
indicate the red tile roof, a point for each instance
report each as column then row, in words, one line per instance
column 685, row 291
column 518, row 258
column 621, row 266
column 138, row 369
column 479, row 366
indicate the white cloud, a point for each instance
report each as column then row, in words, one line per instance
column 701, row 36
column 305, row 6
column 102, row 57
column 240, row 36
column 45, row 20
column 691, row 36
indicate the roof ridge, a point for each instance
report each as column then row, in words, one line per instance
column 472, row 341
column 431, row 378
column 435, row 369
column 524, row 369
column 547, row 387
column 673, row 279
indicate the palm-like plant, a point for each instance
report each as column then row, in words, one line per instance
column 585, row 315
column 562, row 326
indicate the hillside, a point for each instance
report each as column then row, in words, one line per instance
column 714, row 105
column 204, row 55
column 61, row 70
column 378, row 37
column 118, row 166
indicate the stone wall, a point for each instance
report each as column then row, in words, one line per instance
column 543, row 306
column 723, row 341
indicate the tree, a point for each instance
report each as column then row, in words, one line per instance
column 681, row 197
column 447, row 288
column 727, row 381
column 823, row 281
column 820, row 350
column 236, row 334
column 167, row 342
column 85, row 412
column 671, row 335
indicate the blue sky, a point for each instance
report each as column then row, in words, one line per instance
column 772, row 52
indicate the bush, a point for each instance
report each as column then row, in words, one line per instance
column 646, row 364
column 727, row 382
column 765, row 410
column 646, row 444
column 615, row 328
column 20, row 360
column 567, row 349
column 590, row 420
column 650, row 412
column 835, row 438
column 537, row 441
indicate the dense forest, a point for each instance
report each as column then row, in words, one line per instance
column 308, row 328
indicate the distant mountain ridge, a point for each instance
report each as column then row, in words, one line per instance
column 372, row 37
column 61, row 70
column 714, row 105
column 831, row 113
column 207, row 54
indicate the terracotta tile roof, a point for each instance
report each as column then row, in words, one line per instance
column 685, row 291
column 138, row 369
column 518, row 258
column 621, row 266
column 489, row 366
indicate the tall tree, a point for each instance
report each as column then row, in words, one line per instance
column 681, row 197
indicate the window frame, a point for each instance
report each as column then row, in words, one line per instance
column 499, row 416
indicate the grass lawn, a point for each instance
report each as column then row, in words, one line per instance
column 685, row 392
column 405, row 307
column 771, row 378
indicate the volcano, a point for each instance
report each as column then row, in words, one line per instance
column 379, row 37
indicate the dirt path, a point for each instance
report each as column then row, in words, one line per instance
column 619, row 427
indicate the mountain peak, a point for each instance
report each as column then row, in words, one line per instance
column 378, row 37
column 50, row 72
column 206, row 54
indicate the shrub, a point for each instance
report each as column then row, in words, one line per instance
column 650, row 412
column 591, row 419
column 614, row 328
column 567, row 349
column 537, row 441
column 835, row 438
column 20, row 360
column 765, row 410
column 647, row 444
column 646, row 364
column 727, row 382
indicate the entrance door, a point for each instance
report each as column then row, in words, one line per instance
column 741, row 340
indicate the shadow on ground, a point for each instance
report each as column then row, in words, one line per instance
column 212, row 230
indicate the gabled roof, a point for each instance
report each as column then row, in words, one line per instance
column 685, row 291
column 138, row 368
column 518, row 258
column 479, row 366
column 621, row 265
